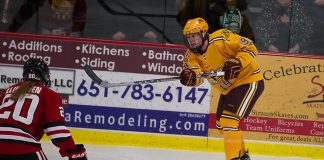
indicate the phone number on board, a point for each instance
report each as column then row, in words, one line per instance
column 144, row 92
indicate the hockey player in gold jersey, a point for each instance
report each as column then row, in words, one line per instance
column 241, row 85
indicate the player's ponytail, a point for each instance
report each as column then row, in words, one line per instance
column 22, row 90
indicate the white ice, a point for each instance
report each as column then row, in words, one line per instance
column 105, row 152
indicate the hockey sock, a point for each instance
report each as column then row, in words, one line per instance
column 233, row 144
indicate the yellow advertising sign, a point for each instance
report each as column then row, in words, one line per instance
column 291, row 108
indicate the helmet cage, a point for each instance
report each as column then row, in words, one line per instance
column 203, row 35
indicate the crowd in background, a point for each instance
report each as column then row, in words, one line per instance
column 293, row 26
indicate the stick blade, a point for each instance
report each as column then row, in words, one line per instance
column 92, row 75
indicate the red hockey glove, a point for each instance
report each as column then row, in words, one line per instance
column 188, row 77
column 232, row 68
column 78, row 153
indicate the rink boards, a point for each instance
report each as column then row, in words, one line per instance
column 287, row 120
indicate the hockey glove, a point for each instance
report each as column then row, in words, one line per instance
column 188, row 77
column 232, row 68
column 78, row 153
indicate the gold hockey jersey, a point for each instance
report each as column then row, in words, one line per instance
column 224, row 44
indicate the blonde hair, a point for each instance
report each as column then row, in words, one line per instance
column 22, row 90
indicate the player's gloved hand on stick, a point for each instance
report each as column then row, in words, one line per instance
column 188, row 77
column 78, row 153
column 232, row 68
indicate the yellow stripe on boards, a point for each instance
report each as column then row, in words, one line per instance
column 193, row 143
column 141, row 139
column 285, row 150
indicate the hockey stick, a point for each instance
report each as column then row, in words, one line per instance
column 106, row 84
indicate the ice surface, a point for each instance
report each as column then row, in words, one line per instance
column 105, row 152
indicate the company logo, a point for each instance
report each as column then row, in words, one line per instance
column 316, row 95
column 79, row 155
column 317, row 91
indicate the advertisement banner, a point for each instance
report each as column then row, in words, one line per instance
column 166, row 107
column 291, row 108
